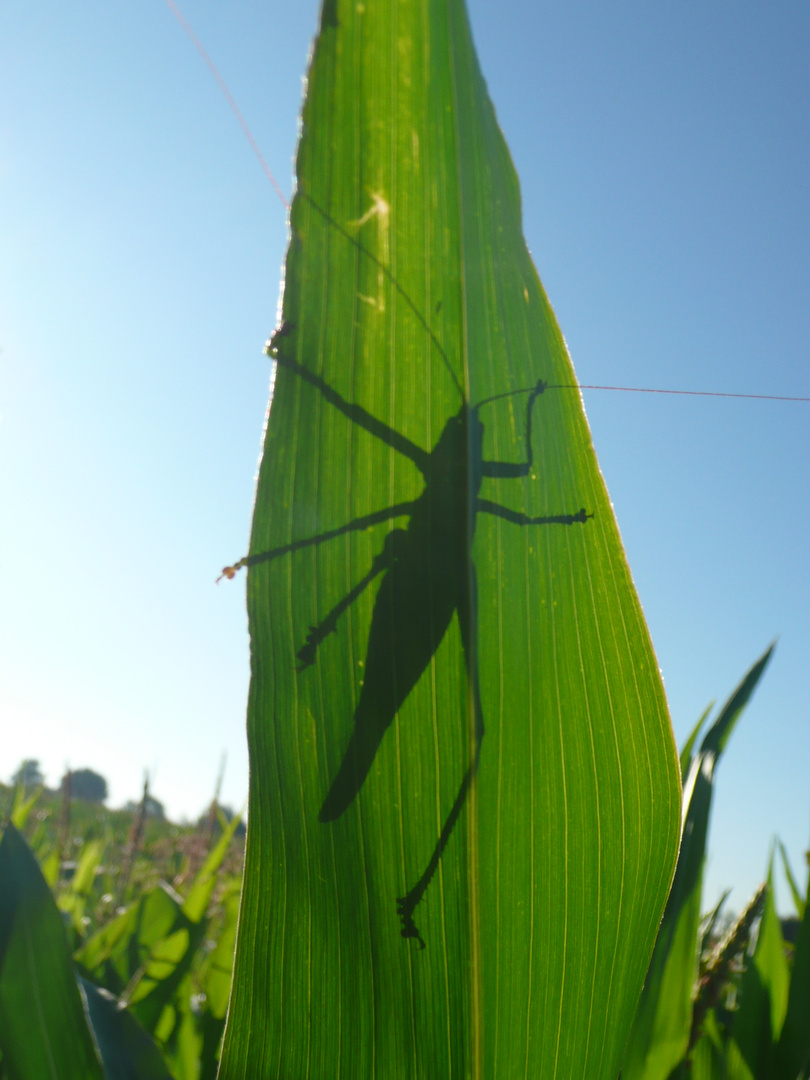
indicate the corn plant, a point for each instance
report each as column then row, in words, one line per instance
column 733, row 1009
column 141, row 993
column 465, row 797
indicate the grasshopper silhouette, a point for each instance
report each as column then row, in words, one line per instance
column 429, row 576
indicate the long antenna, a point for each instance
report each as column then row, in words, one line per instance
column 209, row 63
column 388, row 273
column 687, row 393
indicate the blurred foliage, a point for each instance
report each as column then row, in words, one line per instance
column 726, row 998
column 144, row 911
column 126, row 923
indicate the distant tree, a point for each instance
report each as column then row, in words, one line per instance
column 29, row 774
column 154, row 808
column 88, row 785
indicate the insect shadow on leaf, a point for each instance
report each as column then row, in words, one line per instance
column 428, row 576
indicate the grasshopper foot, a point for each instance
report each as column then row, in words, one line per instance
column 409, row 929
column 306, row 654
column 230, row 572
column 540, row 386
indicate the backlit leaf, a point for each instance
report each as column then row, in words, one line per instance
column 409, row 298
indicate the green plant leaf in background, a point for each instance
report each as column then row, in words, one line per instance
column 74, row 899
column 127, row 1051
column 663, row 1023
column 709, row 1060
column 792, row 1055
column 43, row 1031
column 51, row 1026
column 202, row 888
column 686, row 755
column 763, row 998
column 23, row 805
column 798, row 900
column 410, row 299
column 119, row 953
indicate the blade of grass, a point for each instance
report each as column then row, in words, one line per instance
column 663, row 1023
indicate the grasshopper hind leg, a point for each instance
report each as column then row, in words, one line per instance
column 468, row 624
column 306, row 654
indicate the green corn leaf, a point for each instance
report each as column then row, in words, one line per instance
column 43, row 1030
column 168, row 962
column 735, row 1065
column 708, row 1060
column 710, row 922
column 23, row 805
column 218, row 969
column 686, row 750
column 74, row 899
column 410, row 299
column 798, row 900
column 792, row 1055
column 763, row 996
column 88, row 863
column 145, row 953
column 126, row 1050
column 202, row 888
column 663, row 1023
column 120, row 949
column 181, row 1035
column 50, row 863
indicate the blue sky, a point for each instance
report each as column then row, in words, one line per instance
column 663, row 153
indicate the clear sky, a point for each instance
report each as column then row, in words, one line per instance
column 664, row 159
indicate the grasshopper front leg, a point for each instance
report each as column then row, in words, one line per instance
column 485, row 506
column 505, row 470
